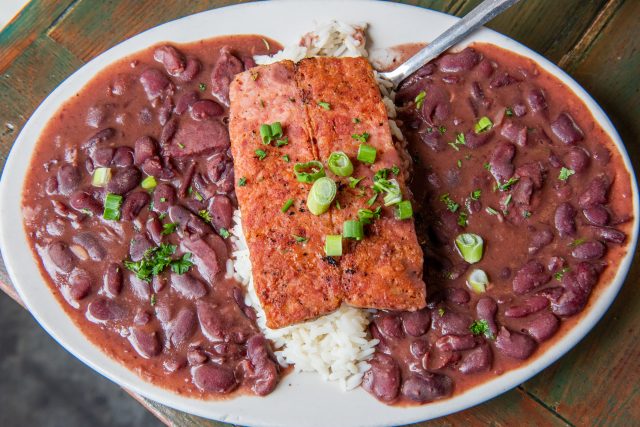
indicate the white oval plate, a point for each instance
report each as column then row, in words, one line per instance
column 300, row 399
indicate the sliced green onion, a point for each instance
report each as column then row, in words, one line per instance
column 265, row 134
column 352, row 229
column 419, row 100
column 287, row 205
column 366, row 215
column 276, row 130
column 483, row 125
column 112, row 203
column 324, row 105
column 362, row 137
column 478, row 281
column 322, row 193
column 372, row 200
column 101, row 176
column 148, row 183
column 309, row 172
column 333, row 245
column 354, row 181
column 393, row 195
column 340, row 164
column 366, row 153
column 470, row 247
column 261, row 154
column 404, row 210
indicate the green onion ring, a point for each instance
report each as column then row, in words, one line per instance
column 309, row 172
column 322, row 193
column 340, row 164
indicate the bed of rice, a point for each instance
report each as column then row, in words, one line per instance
column 338, row 345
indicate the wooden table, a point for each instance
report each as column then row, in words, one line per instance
column 596, row 41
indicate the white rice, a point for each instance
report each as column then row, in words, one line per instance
column 338, row 345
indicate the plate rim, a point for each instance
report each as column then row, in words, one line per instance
column 216, row 410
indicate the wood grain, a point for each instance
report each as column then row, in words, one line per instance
column 597, row 41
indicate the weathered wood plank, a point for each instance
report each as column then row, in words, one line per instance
column 96, row 26
column 26, row 82
column 598, row 383
column 26, row 27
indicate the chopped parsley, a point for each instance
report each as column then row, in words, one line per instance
column 442, row 130
column 324, row 105
column 224, row 233
column 577, row 242
column 168, row 228
column 441, row 312
column 420, row 99
column 204, row 214
column 355, row 120
column 286, row 158
column 508, row 112
column 475, row 194
column 487, row 166
column 156, row 259
column 261, row 154
column 483, row 125
column 202, row 87
column 506, row 185
column 242, row 182
column 372, row 200
column 300, row 239
column 361, row 137
column 462, row 219
column 353, row 182
column 558, row 275
column 481, row 327
column 395, row 170
column 565, row 174
column 451, row 205
column 460, row 140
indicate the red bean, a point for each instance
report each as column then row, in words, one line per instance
column 213, row 378
column 144, row 148
column 596, row 215
column 589, row 251
column 185, row 102
column 565, row 219
column 486, row 309
column 224, row 70
column 188, row 286
column 537, row 101
column 566, row 129
column 182, row 327
column 140, row 288
column 501, row 162
column 191, row 70
column 416, row 323
column 204, row 109
column 539, row 239
column 100, row 137
column 530, row 276
column 595, row 193
column 457, row 295
column 171, row 58
column 265, row 374
column 383, row 379
column 68, row 179
column 103, row 310
column 390, row 325
column 514, row 344
column 514, row 133
column 543, row 326
column 155, row 229
column 146, row 344
column 221, row 211
column 164, row 196
column 123, row 157
column 79, row 284
column 124, row 180
column 450, row 322
column 529, row 306
column 609, row 234
column 113, row 280
column 102, row 156
column 501, row 80
column 577, row 159
column 61, row 256
column 419, row 348
column 84, row 202
column 455, row 342
column 427, row 387
column 91, row 244
column 464, row 60
column 133, row 204
column 154, row 83
column 477, row 360
column 207, row 260
column 138, row 246
column 436, row 106
column 211, row 321
column 476, row 140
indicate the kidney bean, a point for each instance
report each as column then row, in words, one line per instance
column 566, row 129
column 61, row 256
column 577, row 159
column 589, row 251
column 529, row 306
column 68, row 179
column 123, row 157
column 609, row 234
column 124, row 180
column 578, row 284
column 154, row 82
column 601, row 154
column 100, row 137
column 501, row 161
column 464, row 60
column 539, row 239
column 436, row 106
column 555, row 263
column 543, row 326
column 211, row 321
column 383, row 379
column 475, row 140
column 168, row 132
column 514, row 133
column 153, row 167
column 390, row 325
column 113, row 280
column 419, row 348
column 523, row 191
column 84, row 202
column 204, row 109
column 224, row 70
column 477, row 360
column 196, row 356
column 91, row 244
column 455, row 342
column 182, row 327
column 51, row 185
column 437, row 359
column 595, row 193
column 530, row 276
column 514, row 344
column 221, row 211
column 138, row 246
column 565, row 219
column 140, row 288
column 501, row 80
column 185, row 101
column 145, row 116
column 191, row 70
column 427, row 387
column 103, row 310
column 450, row 322
column 265, row 373
column 144, row 148
column 79, row 284
column 165, row 110
column 133, row 204
column 96, row 116
column 155, row 229
column 146, row 344
column 142, row 318
column 188, row 286
column 486, row 309
column 164, row 196
column 537, row 101
column 206, row 258
column 172, row 59
column 457, row 295
column 187, row 220
column 213, row 378
column 416, row 323
column 102, row 156
column 596, row 215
